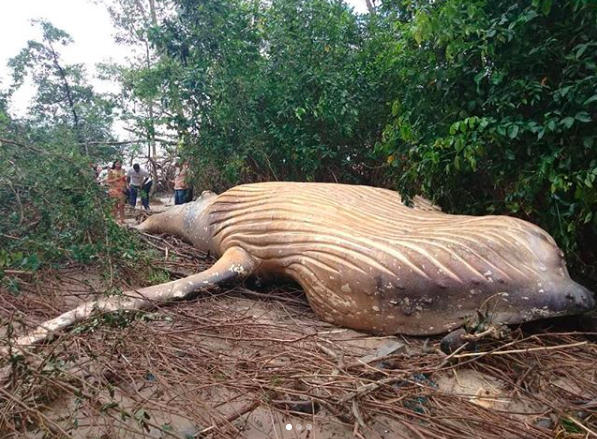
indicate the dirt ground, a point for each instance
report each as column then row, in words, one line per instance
column 254, row 362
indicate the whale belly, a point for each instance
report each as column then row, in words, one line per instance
column 367, row 261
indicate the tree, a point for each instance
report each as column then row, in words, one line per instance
column 63, row 96
column 496, row 112
column 141, row 97
column 271, row 91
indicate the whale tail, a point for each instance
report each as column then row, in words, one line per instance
column 185, row 221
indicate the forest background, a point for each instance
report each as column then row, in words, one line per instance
column 486, row 107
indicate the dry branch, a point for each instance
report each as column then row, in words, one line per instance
column 223, row 360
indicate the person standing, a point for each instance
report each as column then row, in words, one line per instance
column 181, row 186
column 136, row 178
column 116, row 182
column 145, row 192
column 103, row 175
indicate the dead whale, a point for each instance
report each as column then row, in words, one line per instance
column 365, row 260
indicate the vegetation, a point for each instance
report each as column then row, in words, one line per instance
column 484, row 106
column 51, row 209
column 498, row 114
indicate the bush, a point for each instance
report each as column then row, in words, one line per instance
column 498, row 111
column 52, row 211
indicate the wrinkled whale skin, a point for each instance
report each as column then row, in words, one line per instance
column 368, row 262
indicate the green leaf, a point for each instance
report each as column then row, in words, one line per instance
column 582, row 48
column 590, row 100
column 167, row 427
column 546, row 6
column 513, row 131
column 583, row 116
column 568, row 122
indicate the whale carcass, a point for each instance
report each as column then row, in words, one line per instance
column 364, row 259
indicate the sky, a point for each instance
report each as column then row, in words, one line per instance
column 86, row 21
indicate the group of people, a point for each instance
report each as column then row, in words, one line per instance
column 136, row 182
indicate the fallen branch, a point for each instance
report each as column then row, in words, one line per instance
column 234, row 416
column 521, row 351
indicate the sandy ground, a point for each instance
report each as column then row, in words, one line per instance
column 257, row 363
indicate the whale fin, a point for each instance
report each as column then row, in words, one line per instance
column 235, row 264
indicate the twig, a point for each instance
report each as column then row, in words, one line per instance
column 234, row 416
column 368, row 388
column 18, row 273
column 521, row 351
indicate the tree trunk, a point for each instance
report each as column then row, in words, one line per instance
column 152, row 151
column 69, row 96
column 154, row 19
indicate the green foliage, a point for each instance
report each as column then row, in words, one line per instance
column 270, row 91
column 51, row 209
column 498, row 111
column 485, row 106
column 63, row 97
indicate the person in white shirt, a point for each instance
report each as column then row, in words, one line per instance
column 103, row 175
column 136, row 178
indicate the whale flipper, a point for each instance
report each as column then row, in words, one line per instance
column 235, row 264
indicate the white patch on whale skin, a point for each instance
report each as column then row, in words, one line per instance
column 488, row 275
column 178, row 294
column 505, row 296
column 346, row 288
column 542, row 312
column 238, row 269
